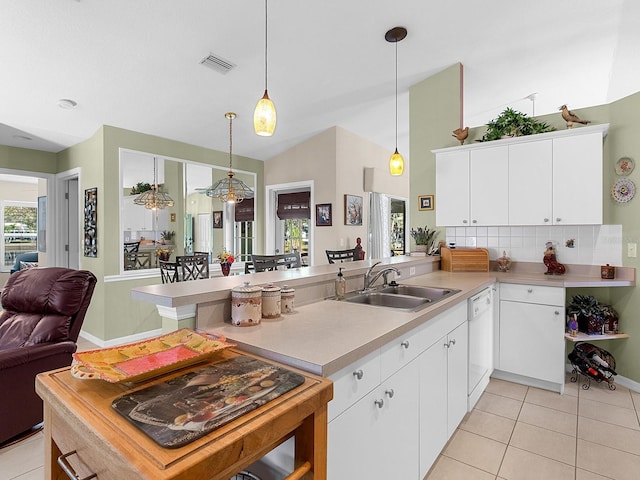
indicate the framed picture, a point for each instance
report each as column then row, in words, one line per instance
column 425, row 202
column 217, row 219
column 91, row 222
column 352, row 210
column 323, row 215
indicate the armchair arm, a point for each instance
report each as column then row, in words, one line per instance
column 14, row 357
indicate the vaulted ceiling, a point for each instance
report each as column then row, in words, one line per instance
column 136, row 65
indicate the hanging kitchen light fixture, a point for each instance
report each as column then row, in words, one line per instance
column 154, row 199
column 228, row 190
column 264, row 116
column 396, row 162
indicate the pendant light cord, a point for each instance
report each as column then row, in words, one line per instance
column 396, row 95
column 266, row 39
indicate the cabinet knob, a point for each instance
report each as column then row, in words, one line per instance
column 453, row 341
column 546, row 220
column 405, row 344
column 558, row 219
column 556, row 312
column 464, row 221
column 358, row 374
column 529, row 290
column 474, row 221
column 389, row 393
column 379, row 403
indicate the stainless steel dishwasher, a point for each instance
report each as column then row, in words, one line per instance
column 480, row 344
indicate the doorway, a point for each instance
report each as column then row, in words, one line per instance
column 68, row 216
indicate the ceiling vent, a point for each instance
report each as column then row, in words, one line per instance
column 217, row 63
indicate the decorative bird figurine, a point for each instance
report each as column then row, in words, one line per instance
column 571, row 117
column 461, row 134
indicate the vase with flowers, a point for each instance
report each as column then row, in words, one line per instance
column 164, row 253
column 226, row 259
column 424, row 239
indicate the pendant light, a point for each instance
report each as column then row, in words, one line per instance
column 396, row 162
column 264, row 116
column 229, row 190
column 154, row 199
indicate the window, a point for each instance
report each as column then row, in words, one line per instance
column 19, row 220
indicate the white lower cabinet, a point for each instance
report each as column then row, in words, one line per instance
column 377, row 437
column 532, row 333
column 443, row 392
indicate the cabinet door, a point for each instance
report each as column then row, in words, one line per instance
column 489, row 185
column 457, row 360
column 433, row 403
column 532, row 340
column 397, row 428
column 577, row 180
column 452, row 188
column 530, row 183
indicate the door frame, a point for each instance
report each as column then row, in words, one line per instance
column 271, row 219
column 61, row 179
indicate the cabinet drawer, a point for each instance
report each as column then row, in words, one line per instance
column 532, row 294
column 397, row 353
column 353, row 382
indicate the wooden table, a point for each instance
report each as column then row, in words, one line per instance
column 78, row 417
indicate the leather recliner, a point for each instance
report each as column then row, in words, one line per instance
column 43, row 312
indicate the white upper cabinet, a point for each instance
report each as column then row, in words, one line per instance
column 577, row 180
column 452, row 188
column 489, row 185
column 547, row 179
column 530, row 183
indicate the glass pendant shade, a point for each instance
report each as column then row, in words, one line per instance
column 228, row 190
column 396, row 164
column 264, row 117
column 154, row 199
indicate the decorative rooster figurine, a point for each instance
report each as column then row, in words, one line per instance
column 461, row 134
column 571, row 117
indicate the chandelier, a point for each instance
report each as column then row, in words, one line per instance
column 154, row 199
column 229, row 190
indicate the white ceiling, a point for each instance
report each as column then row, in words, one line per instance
column 135, row 65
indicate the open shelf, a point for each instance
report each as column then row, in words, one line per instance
column 583, row 337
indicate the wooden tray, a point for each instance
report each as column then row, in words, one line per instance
column 138, row 361
column 187, row 407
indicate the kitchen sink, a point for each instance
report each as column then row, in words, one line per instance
column 402, row 297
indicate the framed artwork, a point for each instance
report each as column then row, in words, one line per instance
column 323, row 215
column 352, row 210
column 91, row 222
column 217, row 219
column 42, row 224
column 425, row 202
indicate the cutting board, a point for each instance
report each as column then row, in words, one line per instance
column 185, row 408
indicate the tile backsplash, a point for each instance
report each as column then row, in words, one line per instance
column 574, row 244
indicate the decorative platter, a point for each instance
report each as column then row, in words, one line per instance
column 137, row 361
column 623, row 190
column 624, row 166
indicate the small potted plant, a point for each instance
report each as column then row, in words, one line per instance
column 424, row 239
column 589, row 313
column 512, row 123
column 167, row 236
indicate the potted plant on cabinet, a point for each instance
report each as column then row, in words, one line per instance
column 424, row 239
column 512, row 123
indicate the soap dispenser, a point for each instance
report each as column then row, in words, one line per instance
column 341, row 285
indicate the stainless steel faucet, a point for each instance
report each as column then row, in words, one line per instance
column 368, row 280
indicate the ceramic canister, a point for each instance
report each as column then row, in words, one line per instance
column 270, row 301
column 287, row 295
column 246, row 305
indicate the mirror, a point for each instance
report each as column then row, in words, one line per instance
column 195, row 223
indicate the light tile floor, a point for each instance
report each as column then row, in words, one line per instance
column 514, row 433
column 524, row 433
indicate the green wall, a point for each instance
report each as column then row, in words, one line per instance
column 112, row 313
column 435, row 113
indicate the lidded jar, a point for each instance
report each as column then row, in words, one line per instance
column 271, row 301
column 246, row 305
column 287, row 295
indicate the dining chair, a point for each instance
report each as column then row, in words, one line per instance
column 130, row 247
column 137, row 260
column 193, row 267
column 169, row 271
column 264, row 263
column 341, row 255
